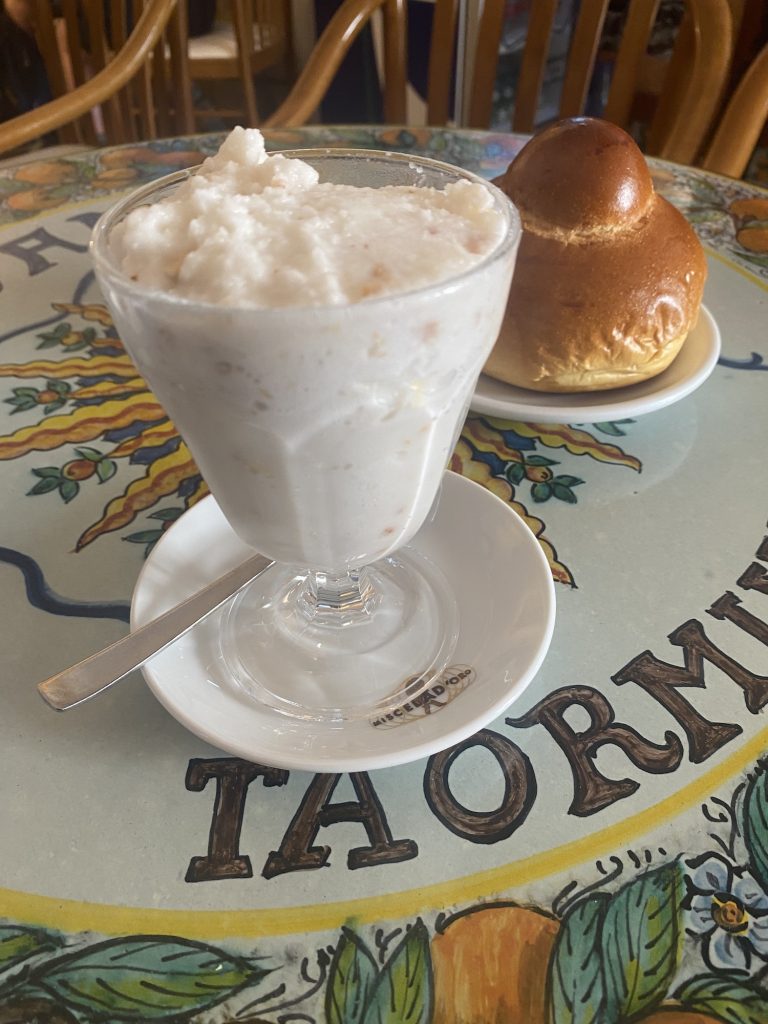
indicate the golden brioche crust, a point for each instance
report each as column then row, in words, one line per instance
column 606, row 300
column 582, row 175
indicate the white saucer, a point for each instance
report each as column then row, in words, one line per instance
column 506, row 598
column 694, row 363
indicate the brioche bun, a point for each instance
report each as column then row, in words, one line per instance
column 609, row 275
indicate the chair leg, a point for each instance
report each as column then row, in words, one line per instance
column 178, row 34
column 244, row 37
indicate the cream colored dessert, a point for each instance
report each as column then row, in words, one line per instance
column 255, row 230
column 322, row 420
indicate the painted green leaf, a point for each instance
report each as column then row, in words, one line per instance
column 609, row 428
column 144, row 537
column 165, row 513
column 146, row 978
column 755, row 825
column 541, row 492
column 24, row 393
column 48, row 471
column 563, row 492
column 515, row 471
column 576, row 972
column 18, row 944
column 61, row 387
column 68, row 489
column 726, row 998
column 105, row 469
column 402, row 993
column 43, row 486
column 52, row 406
column 91, row 454
column 642, row 941
column 567, row 480
column 352, row 975
column 540, row 460
column 60, row 331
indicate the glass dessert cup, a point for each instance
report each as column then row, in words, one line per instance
column 323, row 433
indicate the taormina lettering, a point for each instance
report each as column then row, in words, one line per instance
column 592, row 790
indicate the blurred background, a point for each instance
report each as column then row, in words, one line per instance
column 285, row 31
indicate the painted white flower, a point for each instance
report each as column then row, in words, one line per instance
column 729, row 911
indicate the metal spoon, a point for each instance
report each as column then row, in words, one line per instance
column 98, row 672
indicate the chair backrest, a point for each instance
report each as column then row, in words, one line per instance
column 331, row 48
column 743, row 120
column 137, row 75
column 265, row 25
column 254, row 37
column 696, row 72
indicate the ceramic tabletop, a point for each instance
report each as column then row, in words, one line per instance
column 599, row 853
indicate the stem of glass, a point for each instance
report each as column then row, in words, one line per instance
column 338, row 599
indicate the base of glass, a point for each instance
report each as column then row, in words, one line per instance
column 311, row 649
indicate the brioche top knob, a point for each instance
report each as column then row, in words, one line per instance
column 581, row 175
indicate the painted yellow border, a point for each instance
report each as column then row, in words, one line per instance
column 76, row 915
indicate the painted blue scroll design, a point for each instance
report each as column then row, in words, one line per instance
column 755, row 362
column 40, row 595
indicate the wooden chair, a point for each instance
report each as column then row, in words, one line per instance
column 743, row 121
column 139, row 79
column 331, row 48
column 253, row 39
column 697, row 72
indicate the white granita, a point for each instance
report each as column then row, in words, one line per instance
column 252, row 230
column 315, row 344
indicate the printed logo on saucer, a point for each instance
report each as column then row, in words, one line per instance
column 453, row 682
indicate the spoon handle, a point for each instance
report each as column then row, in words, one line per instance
column 79, row 683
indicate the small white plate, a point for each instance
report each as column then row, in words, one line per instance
column 503, row 585
column 693, row 364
